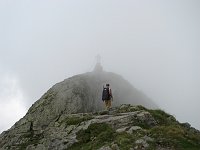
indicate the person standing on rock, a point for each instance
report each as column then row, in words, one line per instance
column 107, row 96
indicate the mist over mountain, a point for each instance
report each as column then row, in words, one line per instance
column 82, row 93
column 149, row 47
column 153, row 44
column 74, row 105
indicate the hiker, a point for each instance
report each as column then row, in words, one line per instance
column 107, row 96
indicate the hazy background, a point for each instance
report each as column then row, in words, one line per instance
column 155, row 44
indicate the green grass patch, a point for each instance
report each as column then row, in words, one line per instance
column 74, row 120
column 140, row 123
column 130, row 108
column 175, row 136
column 124, row 140
column 101, row 134
column 95, row 136
column 162, row 117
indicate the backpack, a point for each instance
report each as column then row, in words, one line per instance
column 106, row 94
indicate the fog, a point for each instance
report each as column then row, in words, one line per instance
column 155, row 45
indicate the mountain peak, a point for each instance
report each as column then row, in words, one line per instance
column 78, row 94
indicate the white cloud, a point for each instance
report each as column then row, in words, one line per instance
column 11, row 102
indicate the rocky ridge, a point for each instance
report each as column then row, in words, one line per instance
column 127, row 127
column 78, row 94
column 69, row 116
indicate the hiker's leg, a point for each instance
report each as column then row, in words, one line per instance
column 109, row 103
column 106, row 104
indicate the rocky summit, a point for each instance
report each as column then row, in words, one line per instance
column 127, row 127
column 69, row 116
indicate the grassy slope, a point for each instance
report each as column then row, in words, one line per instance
column 168, row 133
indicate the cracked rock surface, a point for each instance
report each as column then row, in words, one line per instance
column 124, row 127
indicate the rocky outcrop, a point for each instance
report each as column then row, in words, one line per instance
column 78, row 94
column 69, row 116
column 44, row 126
column 127, row 127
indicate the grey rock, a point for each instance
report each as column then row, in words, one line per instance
column 142, row 143
column 105, row 148
column 114, row 146
column 60, row 134
column 147, row 138
column 186, row 125
column 133, row 128
column 145, row 116
column 121, row 129
column 37, row 147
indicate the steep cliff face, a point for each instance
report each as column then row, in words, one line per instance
column 126, row 127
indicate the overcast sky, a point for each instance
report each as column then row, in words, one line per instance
column 154, row 44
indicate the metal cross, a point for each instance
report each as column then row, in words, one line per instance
column 98, row 59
